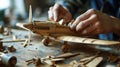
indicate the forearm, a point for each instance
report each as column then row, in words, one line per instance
column 116, row 28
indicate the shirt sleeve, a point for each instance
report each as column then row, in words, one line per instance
column 72, row 5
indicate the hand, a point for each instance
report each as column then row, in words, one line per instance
column 57, row 12
column 93, row 22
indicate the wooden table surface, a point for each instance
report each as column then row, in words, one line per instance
column 36, row 49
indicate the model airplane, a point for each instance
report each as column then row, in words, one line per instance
column 50, row 28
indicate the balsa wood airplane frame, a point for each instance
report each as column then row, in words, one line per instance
column 60, row 32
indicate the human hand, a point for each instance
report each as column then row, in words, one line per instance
column 57, row 12
column 93, row 22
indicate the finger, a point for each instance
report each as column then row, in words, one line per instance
column 67, row 18
column 86, row 23
column 50, row 13
column 89, row 30
column 94, row 32
column 87, row 14
column 82, row 17
column 97, row 29
column 56, row 12
column 56, row 18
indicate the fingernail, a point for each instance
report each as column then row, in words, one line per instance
column 55, row 19
column 71, row 26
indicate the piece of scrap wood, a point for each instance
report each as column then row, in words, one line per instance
column 94, row 62
column 66, row 55
column 25, row 43
column 8, row 41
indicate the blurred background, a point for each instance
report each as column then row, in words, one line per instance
column 13, row 11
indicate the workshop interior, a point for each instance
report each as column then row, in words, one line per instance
column 29, row 39
column 12, row 11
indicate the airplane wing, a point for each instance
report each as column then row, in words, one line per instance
column 83, row 40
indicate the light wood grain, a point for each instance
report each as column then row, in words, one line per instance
column 87, row 40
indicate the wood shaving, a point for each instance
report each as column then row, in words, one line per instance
column 118, row 64
column 14, row 37
column 37, row 62
column 53, row 65
column 1, row 45
column 46, row 41
column 65, row 47
column 11, row 49
column 112, row 58
column 25, row 43
column 1, row 29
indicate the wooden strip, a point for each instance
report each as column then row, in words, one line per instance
column 66, row 55
column 8, row 41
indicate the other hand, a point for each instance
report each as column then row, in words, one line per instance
column 57, row 12
column 93, row 22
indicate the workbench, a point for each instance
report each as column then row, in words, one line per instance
column 36, row 49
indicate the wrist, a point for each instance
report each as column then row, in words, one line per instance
column 116, row 25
